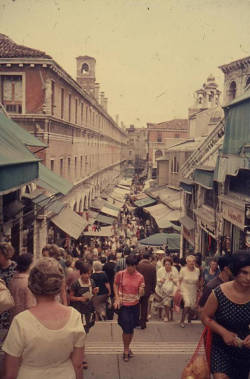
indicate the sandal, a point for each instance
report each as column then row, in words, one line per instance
column 85, row 365
column 130, row 354
column 126, row 357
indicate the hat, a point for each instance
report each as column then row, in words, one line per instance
column 160, row 252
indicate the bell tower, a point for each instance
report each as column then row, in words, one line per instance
column 85, row 73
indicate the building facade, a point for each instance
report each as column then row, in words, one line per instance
column 216, row 176
column 85, row 145
column 163, row 135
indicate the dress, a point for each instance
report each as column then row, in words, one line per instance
column 6, row 274
column 189, row 281
column 22, row 295
column 165, row 290
column 45, row 353
column 230, row 360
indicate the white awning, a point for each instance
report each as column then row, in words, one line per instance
column 163, row 215
column 70, row 222
column 167, row 195
column 110, row 211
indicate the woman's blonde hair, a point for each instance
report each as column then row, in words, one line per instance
column 190, row 258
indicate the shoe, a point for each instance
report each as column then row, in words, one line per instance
column 85, row 365
column 166, row 319
column 126, row 357
column 182, row 325
column 149, row 317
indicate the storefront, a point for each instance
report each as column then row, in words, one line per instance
column 206, row 230
column 234, row 224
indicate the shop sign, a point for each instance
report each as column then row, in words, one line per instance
column 188, row 235
column 234, row 215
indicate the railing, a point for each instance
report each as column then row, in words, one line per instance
column 202, row 151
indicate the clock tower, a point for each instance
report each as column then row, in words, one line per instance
column 85, row 73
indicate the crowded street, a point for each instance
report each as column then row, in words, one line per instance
column 124, row 189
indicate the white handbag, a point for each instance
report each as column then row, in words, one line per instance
column 6, row 300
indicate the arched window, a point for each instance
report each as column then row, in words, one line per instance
column 85, row 68
column 232, row 90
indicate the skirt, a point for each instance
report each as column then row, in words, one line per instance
column 128, row 318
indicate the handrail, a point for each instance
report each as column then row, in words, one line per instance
column 207, row 145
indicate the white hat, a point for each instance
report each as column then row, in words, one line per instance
column 160, row 252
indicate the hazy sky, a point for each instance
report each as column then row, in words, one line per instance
column 151, row 54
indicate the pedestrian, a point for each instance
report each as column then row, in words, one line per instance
column 210, row 272
column 101, row 281
column 189, row 285
column 227, row 314
column 46, row 341
column 225, row 275
column 148, row 271
column 128, row 288
column 18, row 286
column 7, row 271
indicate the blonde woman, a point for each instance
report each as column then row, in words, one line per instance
column 46, row 341
column 189, row 285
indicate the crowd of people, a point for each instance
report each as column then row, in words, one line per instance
column 62, row 295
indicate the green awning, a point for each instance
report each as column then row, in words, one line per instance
column 145, row 202
column 237, row 130
column 187, row 186
column 204, row 177
column 105, row 219
column 23, row 136
column 53, row 182
column 18, row 166
column 172, row 240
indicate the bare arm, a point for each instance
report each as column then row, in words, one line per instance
column 11, row 366
column 77, row 298
column 63, row 293
column 117, row 302
column 107, row 285
column 77, row 357
column 207, row 315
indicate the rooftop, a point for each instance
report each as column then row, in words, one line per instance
column 175, row 124
column 10, row 49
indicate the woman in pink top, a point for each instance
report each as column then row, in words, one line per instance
column 128, row 288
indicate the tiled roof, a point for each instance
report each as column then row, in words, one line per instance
column 9, row 49
column 173, row 124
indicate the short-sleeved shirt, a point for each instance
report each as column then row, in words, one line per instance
column 100, row 279
column 45, row 353
column 128, row 286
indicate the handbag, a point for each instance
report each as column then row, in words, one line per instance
column 199, row 365
column 6, row 300
column 117, row 310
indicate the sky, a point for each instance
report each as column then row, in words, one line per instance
column 151, row 55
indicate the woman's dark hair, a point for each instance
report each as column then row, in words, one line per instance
column 78, row 265
column 168, row 259
column 111, row 257
column 239, row 260
column 103, row 260
column 84, row 269
column 131, row 260
column 225, row 261
column 23, row 262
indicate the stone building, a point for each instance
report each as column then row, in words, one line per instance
column 85, row 145
column 216, row 175
column 163, row 135
column 137, row 147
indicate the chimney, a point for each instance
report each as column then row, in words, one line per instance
column 102, row 99
column 97, row 91
column 105, row 103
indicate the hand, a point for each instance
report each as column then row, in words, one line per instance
column 95, row 290
column 117, row 303
column 230, row 338
column 246, row 342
